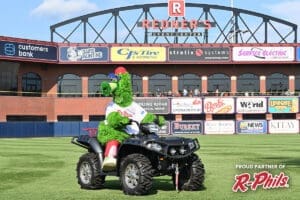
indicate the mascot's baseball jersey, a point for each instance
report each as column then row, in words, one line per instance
column 134, row 112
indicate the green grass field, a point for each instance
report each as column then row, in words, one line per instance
column 44, row 168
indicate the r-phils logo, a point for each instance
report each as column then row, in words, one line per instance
column 263, row 179
column 176, row 8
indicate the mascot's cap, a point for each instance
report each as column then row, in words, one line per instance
column 120, row 70
column 112, row 76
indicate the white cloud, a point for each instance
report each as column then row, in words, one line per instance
column 64, row 9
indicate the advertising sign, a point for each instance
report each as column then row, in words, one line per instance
column 198, row 54
column 83, row 54
column 284, row 126
column 251, row 105
column 186, row 105
column 135, row 54
column 251, row 126
column 283, row 105
column 263, row 54
column 187, row 127
column 298, row 54
column 219, row 127
column 220, row 105
column 28, row 51
column 154, row 105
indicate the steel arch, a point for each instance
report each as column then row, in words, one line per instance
column 234, row 26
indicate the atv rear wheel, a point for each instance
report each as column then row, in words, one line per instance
column 88, row 172
column 136, row 174
column 191, row 176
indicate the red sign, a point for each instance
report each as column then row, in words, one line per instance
column 176, row 8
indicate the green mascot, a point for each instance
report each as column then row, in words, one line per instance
column 120, row 116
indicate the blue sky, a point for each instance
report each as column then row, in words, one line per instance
column 31, row 19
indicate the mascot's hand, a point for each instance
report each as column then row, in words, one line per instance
column 150, row 117
column 117, row 121
column 105, row 88
column 161, row 121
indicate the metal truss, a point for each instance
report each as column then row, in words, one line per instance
column 121, row 25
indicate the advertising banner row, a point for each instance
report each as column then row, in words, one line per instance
column 231, row 127
column 89, row 53
column 220, row 105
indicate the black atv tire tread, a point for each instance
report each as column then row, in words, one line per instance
column 146, row 174
column 97, row 179
column 196, row 178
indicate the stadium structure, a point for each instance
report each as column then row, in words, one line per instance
column 208, row 69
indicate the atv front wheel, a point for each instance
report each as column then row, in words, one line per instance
column 88, row 172
column 191, row 176
column 136, row 174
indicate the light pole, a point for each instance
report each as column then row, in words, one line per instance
column 233, row 23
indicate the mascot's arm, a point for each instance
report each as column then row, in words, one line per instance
column 150, row 117
column 113, row 130
column 117, row 121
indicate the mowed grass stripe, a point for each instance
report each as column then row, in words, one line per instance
column 44, row 168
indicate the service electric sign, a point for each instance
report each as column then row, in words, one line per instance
column 263, row 54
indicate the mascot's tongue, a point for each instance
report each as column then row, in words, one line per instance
column 120, row 70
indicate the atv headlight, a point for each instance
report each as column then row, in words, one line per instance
column 154, row 146
column 172, row 151
column 182, row 150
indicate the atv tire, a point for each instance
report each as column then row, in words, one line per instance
column 88, row 172
column 136, row 175
column 191, row 176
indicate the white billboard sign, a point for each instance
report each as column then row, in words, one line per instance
column 251, row 105
column 263, row 54
column 283, row 126
column 186, row 105
column 219, row 127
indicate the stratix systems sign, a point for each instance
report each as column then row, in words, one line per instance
column 199, row 54
column 28, row 51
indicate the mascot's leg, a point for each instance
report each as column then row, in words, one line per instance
column 110, row 154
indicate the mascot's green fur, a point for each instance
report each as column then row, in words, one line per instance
column 121, row 111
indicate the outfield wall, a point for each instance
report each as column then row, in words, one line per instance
column 216, row 127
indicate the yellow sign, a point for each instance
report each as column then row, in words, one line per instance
column 138, row 54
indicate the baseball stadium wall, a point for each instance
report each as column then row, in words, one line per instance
column 52, row 89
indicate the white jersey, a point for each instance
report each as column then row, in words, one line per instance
column 134, row 111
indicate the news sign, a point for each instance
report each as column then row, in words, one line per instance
column 284, row 126
column 221, row 105
column 154, row 105
column 28, row 51
column 138, row 54
column 187, row 127
column 283, row 104
column 198, row 54
column 219, row 127
column 251, row 105
column 252, row 126
column 83, row 54
column 263, row 54
column 187, row 105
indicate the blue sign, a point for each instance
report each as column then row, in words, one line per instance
column 252, row 126
column 187, row 127
column 28, row 51
column 298, row 54
column 83, row 54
